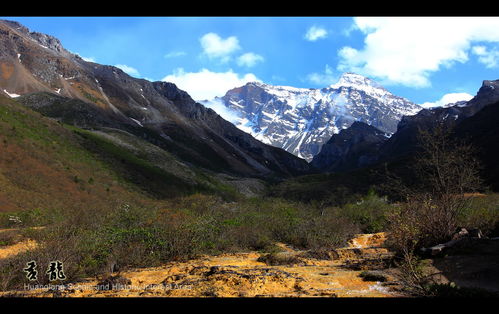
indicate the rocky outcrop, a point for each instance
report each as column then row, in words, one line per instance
column 482, row 129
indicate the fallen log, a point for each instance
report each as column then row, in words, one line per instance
column 458, row 237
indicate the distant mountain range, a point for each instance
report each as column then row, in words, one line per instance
column 350, row 125
column 301, row 120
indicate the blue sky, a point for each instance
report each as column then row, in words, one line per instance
column 422, row 59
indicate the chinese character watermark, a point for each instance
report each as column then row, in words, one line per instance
column 31, row 271
column 55, row 271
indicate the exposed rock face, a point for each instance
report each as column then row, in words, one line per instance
column 301, row 120
column 352, row 148
column 487, row 94
column 161, row 113
column 482, row 129
column 44, row 40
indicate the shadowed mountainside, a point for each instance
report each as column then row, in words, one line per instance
column 64, row 86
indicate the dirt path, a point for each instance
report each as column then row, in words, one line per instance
column 12, row 250
column 21, row 246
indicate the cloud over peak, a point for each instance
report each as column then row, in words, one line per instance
column 447, row 99
column 323, row 79
column 128, row 70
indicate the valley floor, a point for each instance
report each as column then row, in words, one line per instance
column 241, row 275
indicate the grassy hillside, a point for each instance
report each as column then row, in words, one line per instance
column 45, row 164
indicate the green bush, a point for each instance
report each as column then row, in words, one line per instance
column 370, row 212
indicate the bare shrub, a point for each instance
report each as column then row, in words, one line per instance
column 415, row 279
column 445, row 171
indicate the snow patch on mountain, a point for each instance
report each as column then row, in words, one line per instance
column 137, row 121
column 11, row 95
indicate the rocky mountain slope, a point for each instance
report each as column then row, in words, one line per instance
column 64, row 86
column 45, row 165
column 404, row 141
column 482, row 129
column 352, row 148
column 301, row 120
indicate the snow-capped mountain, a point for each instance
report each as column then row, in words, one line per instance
column 301, row 120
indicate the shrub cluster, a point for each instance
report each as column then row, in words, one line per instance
column 98, row 241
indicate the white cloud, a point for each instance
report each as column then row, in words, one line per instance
column 348, row 30
column 249, row 59
column 216, row 47
column 447, row 99
column 175, row 54
column 406, row 50
column 479, row 50
column 89, row 59
column 323, row 79
column 206, row 84
column 226, row 113
column 128, row 69
column 315, row 32
column 488, row 57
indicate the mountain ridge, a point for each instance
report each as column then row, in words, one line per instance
column 156, row 111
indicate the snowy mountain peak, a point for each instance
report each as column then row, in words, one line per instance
column 301, row 120
column 359, row 82
column 257, row 84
